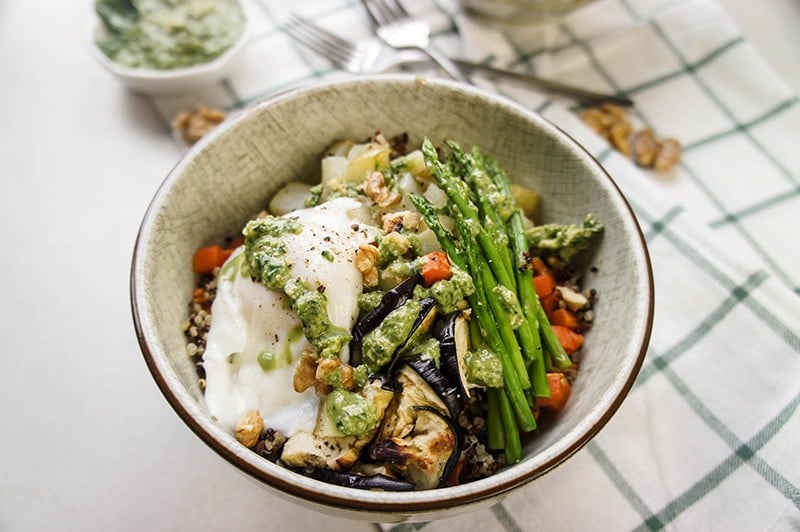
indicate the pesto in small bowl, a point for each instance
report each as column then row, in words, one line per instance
column 165, row 34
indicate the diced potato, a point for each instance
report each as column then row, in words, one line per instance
column 290, row 198
column 428, row 242
column 368, row 161
column 436, row 196
column 340, row 148
column 413, row 163
column 527, row 199
column 333, row 168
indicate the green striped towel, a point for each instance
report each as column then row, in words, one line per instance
column 708, row 438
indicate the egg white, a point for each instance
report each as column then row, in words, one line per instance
column 248, row 318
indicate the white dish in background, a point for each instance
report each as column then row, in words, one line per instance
column 171, row 81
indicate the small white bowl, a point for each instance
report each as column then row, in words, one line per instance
column 171, row 81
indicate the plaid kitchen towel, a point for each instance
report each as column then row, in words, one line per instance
column 708, row 437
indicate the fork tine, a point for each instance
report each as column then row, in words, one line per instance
column 380, row 13
column 343, row 44
column 316, row 42
column 399, row 8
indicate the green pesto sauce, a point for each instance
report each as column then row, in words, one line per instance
column 510, row 303
column 484, row 368
column 265, row 249
column 380, row 343
column 353, row 414
column 391, row 248
column 564, row 240
column 369, row 300
column 311, row 307
column 427, row 349
column 270, row 361
column 166, row 34
column 314, row 196
column 449, row 293
column 265, row 255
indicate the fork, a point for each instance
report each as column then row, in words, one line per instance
column 394, row 26
column 369, row 56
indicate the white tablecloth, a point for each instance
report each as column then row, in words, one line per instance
column 707, row 435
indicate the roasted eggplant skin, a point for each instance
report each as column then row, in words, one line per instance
column 390, row 301
column 441, row 385
column 449, row 331
column 455, row 428
column 361, row 482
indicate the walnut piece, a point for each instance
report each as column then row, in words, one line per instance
column 377, row 191
column 249, row 427
column 610, row 122
column 193, row 125
column 397, row 221
column 668, row 155
column 305, row 372
column 367, row 263
column 645, row 147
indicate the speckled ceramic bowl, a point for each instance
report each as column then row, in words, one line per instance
column 232, row 174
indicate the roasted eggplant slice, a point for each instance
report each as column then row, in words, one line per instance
column 455, row 455
column 390, row 301
column 423, row 323
column 328, row 448
column 362, row 482
column 418, row 437
column 441, row 385
column 453, row 334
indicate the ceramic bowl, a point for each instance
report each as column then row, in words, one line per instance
column 172, row 81
column 230, row 175
column 518, row 12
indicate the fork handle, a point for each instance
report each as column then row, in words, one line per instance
column 582, row 95
column 447, row 64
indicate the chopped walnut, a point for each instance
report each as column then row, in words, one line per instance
column 249, row 427
column 668, row 155
column 377, row 191
column 367, row 264
column 645, row 147
column 305, row 372
column 619, row 136
column 325, row 366
column 610, row 122
column 397, row 221
column 193, row 125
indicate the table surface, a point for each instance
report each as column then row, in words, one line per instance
column 88, row 441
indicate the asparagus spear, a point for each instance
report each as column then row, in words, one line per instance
column 458, row 194
column 479, row 304
column 530, row 303
column 496, row 202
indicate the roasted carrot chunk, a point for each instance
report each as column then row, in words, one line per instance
column 436, row 268
column 544, row 284
column 208, row 258
column 569, row 340
column 565, row 318
column 559, row 392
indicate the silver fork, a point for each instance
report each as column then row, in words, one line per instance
column 394, row 26
column 369, row 56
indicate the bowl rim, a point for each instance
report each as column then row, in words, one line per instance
column 167, row 74
column 350, row 498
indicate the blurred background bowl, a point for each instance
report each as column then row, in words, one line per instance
column 230, row 175
column 518, row 12
column 168, row 81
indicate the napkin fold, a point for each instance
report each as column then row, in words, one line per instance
column 707, row 438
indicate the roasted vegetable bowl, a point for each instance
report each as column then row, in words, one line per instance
column 422, row 319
